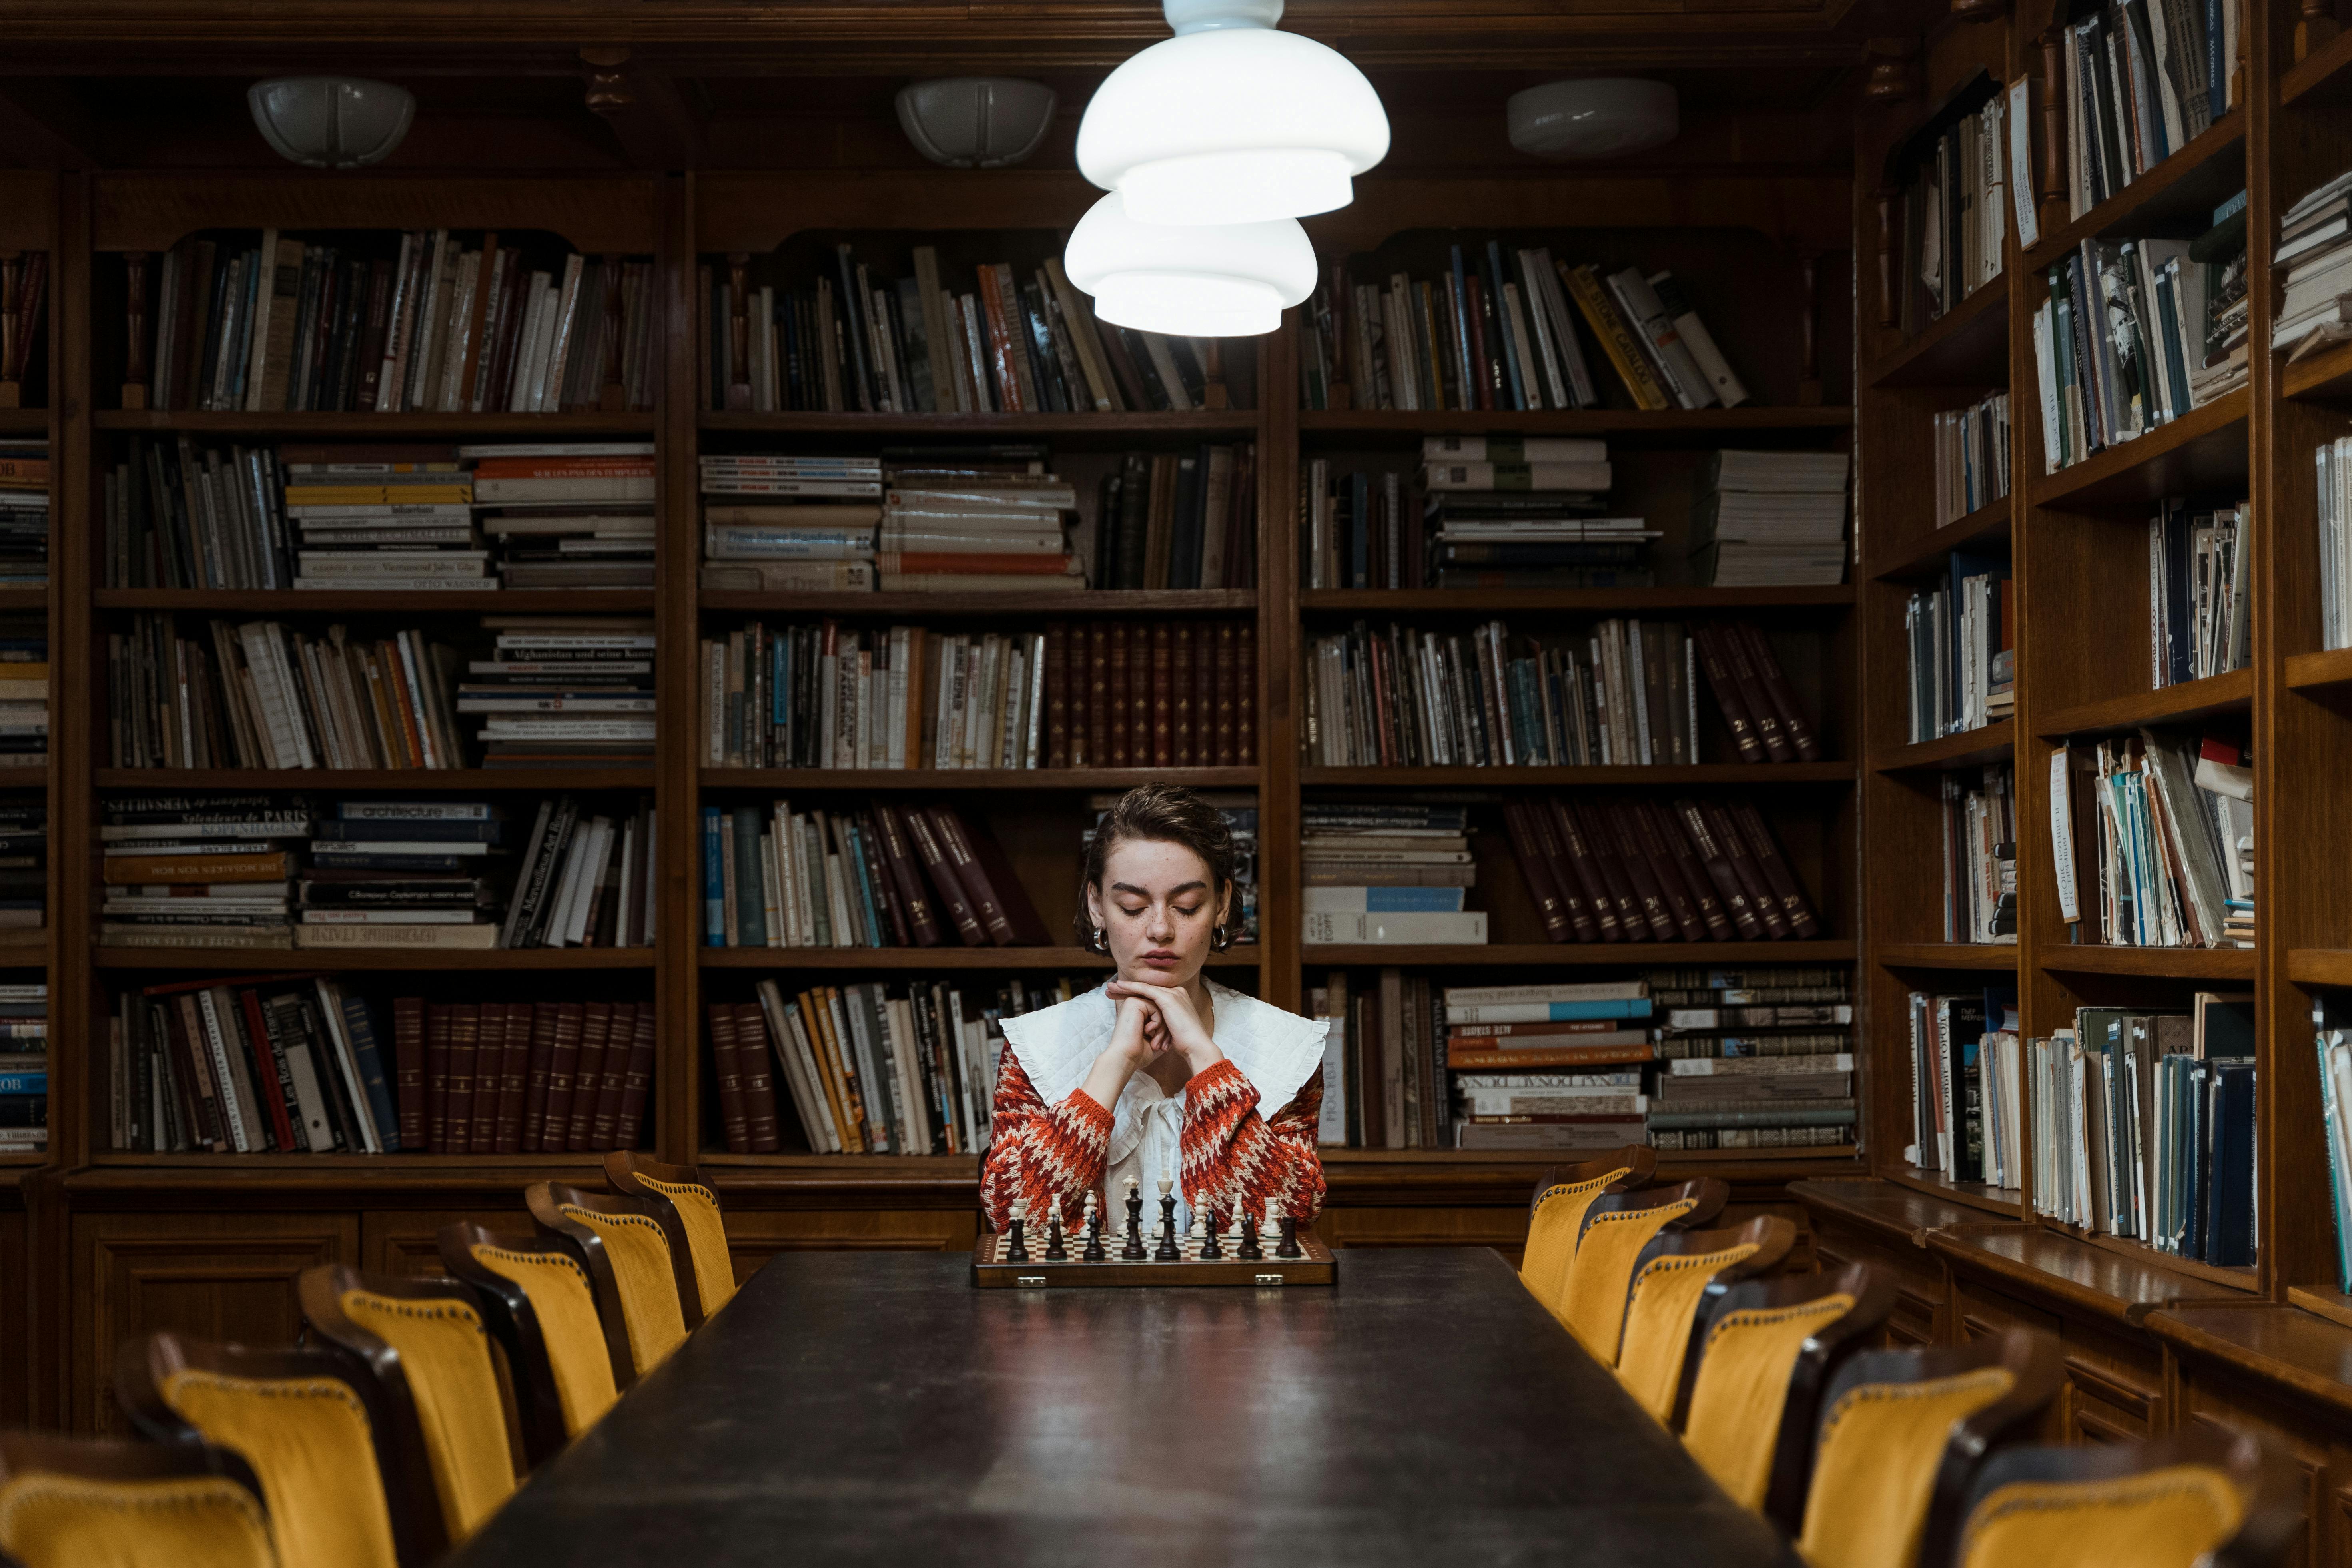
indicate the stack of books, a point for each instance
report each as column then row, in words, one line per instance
column 24, row 512
column 2132, row 103
column 1769, row 520
column 1962, row 642
column 1981, row 856
column 1752, row 1058
column 201, row 870
column 567, row 514
column 394, row 873
column 1971, row 458
column 1635, row 868
column 884, row 876
column 790, row 524
column 1239, row 808
column 1089, row 694
column 425, row 322
column 1505, row 1046
column 24, row 1068
column 974, row 523
column 1498, row 330
column 1391, row 872
column 2314, row 248
column 1967, row 1109
column 573, row 692
column 275, row 1064
column 2146, row 840
column 24, row 691
column 521, row 1078
column 372, row 516
column 2143, row 1125
column 24, row 874
column 261, row 694
column 1178, row 519
column 1955, row 174
column 2199, row 591
column 585, row 877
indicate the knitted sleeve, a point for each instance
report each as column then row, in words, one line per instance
column 1036, row 1152
column 1228, row 1144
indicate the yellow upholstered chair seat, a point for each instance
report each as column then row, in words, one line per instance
column 1742, row 1388
column 50, row 1520
column 445, row 1355
column 308, row 1441
column 643, row 1269
column 2168, row 1518
column 705, row 1237
column 567, row 1325
column 1874, row 1467
column 1551, row 1234
column 1658, row 1319
column 1592, row 1301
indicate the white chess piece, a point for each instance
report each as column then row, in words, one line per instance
column 1241, row 1215
column 1271, row 1228
column 1200, row 1232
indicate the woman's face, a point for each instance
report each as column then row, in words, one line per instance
column 1158, row 906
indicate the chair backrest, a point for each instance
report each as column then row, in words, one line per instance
column 1617, row 1225
column 1901, row 1435
column 428, row 1349
column 66, row 1503
column 1752, row 1383
column 568, row 1360
column 688, row 1212
column 1672, row 1280
column 652, row 1280
column 337, row 1485
column 2199, row 1496
column 1555, row 1212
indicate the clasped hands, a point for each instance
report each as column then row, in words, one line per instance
column 1154, row 1020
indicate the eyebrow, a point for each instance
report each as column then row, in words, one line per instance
column 1146, row 892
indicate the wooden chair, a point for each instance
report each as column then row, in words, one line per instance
column 1900, row 1438
column 1555, row 1212
column 2201, row 1495
column 688, row 1212
column 1617, row 1225
column 568, row 1359
column 1673, row 1278
column 425, row 1344
column 1752, row 1384
column 66, row 1503
column 340, row 1486
column 653, row 1282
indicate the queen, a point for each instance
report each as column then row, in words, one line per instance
column 1161, row 1070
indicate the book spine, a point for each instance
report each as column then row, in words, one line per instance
column 726, row 1062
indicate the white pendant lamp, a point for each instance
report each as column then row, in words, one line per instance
column 1222, row 280
column 1232, row 121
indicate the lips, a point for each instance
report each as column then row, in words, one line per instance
column 1161, row 959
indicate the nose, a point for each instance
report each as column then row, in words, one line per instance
column 1163, row 923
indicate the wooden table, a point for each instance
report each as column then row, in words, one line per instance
column 876, row 1408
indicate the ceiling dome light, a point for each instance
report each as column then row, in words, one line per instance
column 1231, row 122
column 1594, row 117
column 330, row 121
column 1222, row 280
column 976, row 121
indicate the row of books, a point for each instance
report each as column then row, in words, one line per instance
column 1387, row 871
column 2152, row 837
column 1967, row 1069
column 260, row 871
column 2199, row 591
column 1954, row 172
column 442, row 324
column 23, row 872
column 1961, row 644
column 2314, row 250
column 1633, row 869
column 24, row 691
column 1408, row 698
column 1123, row 693
column 1980, row 826
column 24, row 1067
column 1768, row 520
column 879, row 876
column 555, row 692
column 522, row 1077
column 858, row 341
column 1971, row 458
column 1497, row 331
column 2144, row 1127
column 2143, row 79
column 24, row 512
column 375, row 517
column 1178, row 519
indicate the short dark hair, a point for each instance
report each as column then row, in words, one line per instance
column 1163, row 814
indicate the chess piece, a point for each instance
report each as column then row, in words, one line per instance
column 1289, row 1245
column 1133, row 1251
column 1166, row 1252
column 1209, row 1250
column 1056, row 1250
column 1093, row 1252
column 1269, row 1231
column 1248, row 1252
column 1016, row 1249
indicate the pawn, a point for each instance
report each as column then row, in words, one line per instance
column 1017, row 1249
column 1248, row 1252
column 1289, row 1245
column 1056, row 1250
column 1093, row 1252
column 1199, row 1235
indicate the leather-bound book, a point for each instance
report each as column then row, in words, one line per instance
column 996, row 895
column 734, row 1114
column 489, row 1062
column 1752, row 695
column 605, row 1117
column 1058, row 696
column 1584, row 863
column 1099, row 714
column 867, row 837
column 1182, row 659
column 408, row 1057
column 637, row 1082
column 1642, row 830
column 514, row 1078
column 1775, row 681
column 1576, row 899
column 1703, row 894
column 1616, row 825
column 570, row 1023
column 464, row 1046
column 907, row 876
column 1743, row 866
column 755, row 1064
column 588, row 1073
column 436, row 1077
column 1729, row 892
column 1245, row 696
column 542, row 1073
column 1164, row 695
column 1122, row 699
column 1227, row 653
column 943, row 880
column 1536, row 872
column 1716, row 667
column 1202, row 677
column 1777, row 875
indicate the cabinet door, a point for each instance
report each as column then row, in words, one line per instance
column 401, row 1241
column 214, row 1276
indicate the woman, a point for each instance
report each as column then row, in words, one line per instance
column 1160, row 1073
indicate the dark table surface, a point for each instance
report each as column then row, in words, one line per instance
column 875, row 1408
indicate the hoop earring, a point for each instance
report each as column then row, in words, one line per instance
column 1100, row 942
column 1221, row 939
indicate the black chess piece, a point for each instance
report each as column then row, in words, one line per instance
column 1056, row 1250
column 1289, row 1245
column 1211, row 1251
column 1016, row 1249
column 1094, row 1251
column 1133, row 1251
column 1249, row 1251
column 1166, row 1252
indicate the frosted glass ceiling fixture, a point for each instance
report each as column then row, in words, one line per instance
column 1232, row 121
column 1217, row 280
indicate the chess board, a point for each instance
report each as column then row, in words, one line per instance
column 1317, row 1266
